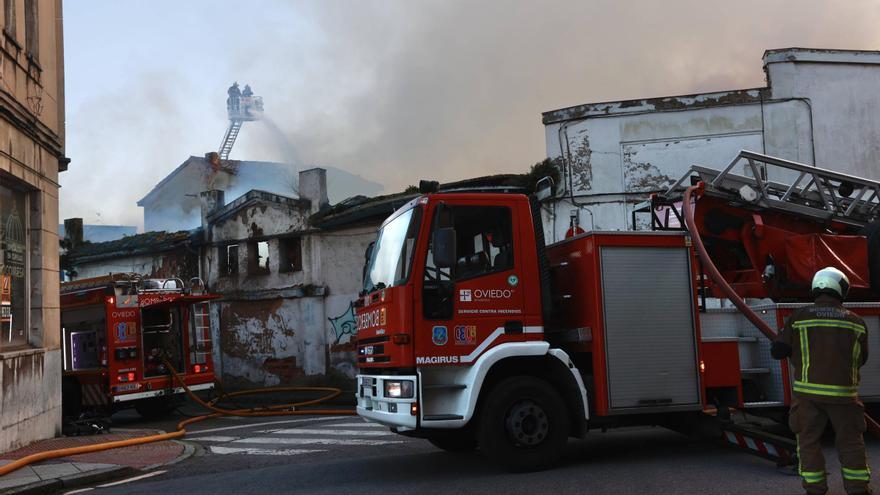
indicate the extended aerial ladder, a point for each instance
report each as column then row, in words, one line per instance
column 241, row 108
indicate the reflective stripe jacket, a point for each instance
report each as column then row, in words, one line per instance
column 829, row 344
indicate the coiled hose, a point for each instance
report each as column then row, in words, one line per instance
column 275, row 410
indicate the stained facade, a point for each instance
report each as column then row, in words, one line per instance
column 819, row 107
column 31, row 157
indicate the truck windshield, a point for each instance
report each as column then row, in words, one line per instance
column 392, row 256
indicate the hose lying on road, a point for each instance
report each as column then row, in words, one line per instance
column 726, row 289
column 276, row 410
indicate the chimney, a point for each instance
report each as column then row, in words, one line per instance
column 210, row 202
column 73, row 231
column 313, row 187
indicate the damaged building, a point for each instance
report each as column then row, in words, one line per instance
column 819, row 107
column 287, row 269
column 173, row 204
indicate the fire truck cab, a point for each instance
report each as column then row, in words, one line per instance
column 117, row 330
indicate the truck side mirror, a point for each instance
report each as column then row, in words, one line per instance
column 544, row 188
column 444, row 247
column 368, row 253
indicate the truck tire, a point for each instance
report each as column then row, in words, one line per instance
column 524, row 424
column 462, row 440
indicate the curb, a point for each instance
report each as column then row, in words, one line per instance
column 188, row 451
column 95, row 476
column 71, row 481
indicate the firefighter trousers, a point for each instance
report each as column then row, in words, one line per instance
column 807, row 419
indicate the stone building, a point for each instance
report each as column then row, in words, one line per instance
column 819, row 107
column 31, row 157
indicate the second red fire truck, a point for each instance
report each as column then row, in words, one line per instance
column 472, row 333
column 117, row 329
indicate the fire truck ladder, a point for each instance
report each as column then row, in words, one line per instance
column 229, row 138
column 814, row 192
column 202, row 332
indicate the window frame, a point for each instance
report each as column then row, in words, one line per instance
column 285, row 246
column 253, row 258
column 25, row 219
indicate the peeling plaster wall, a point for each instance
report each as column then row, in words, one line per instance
column 31, row 398
column 821, row 107
column 282, row 328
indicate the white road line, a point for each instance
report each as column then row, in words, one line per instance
column 252, row 425
column 215, row 438
column 129, row 480
column 254, row 451
column 316, row 431
column 81, row 490
column 314, row 441
column 350, row 425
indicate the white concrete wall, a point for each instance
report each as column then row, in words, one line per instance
column 821, row 108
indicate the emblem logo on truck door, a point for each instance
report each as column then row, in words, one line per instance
column 464, row 295
column 439, row 335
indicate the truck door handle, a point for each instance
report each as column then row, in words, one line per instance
column 513, row 327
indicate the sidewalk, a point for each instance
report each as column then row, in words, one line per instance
column 82, row 469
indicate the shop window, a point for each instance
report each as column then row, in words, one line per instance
column 228, row 260
column 14, row 268
column 290, row 252
column 258, row 258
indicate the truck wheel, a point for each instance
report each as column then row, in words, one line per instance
column 454, row 440
column 523, row 424
column 154, row 407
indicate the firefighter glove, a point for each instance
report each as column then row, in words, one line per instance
column 780, row 350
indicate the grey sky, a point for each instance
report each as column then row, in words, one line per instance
column 393, row 91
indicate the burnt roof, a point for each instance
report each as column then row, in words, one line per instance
column 148, row 242
column 361, row 209
column 256, row 196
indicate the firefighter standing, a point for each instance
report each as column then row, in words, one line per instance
column 827, row 344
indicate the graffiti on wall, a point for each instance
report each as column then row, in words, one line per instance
column 344, row 325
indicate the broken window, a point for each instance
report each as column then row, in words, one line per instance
column 31, row 28
column 258, row 258
column 290, row 254
column 228, row 260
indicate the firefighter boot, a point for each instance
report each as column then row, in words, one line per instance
column 808, row 422
column 848, row 421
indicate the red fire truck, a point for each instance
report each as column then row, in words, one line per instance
column 472, row 333
column 115, row 331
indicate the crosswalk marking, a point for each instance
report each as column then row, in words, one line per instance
column 216, row 449
column 314, row 441
column 315, row 431
column 217, row 438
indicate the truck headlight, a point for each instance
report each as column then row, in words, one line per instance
column 399, row 389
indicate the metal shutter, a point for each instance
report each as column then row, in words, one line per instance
column 649, row 329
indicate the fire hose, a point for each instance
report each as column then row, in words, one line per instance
column 276, row 410
column 725, row 287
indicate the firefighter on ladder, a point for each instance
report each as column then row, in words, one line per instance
column 827, row 344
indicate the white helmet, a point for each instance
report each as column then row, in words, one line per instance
column 831, row 281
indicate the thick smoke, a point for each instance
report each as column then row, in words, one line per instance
column 398, row 91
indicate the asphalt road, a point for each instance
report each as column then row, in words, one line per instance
column 336, row 455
